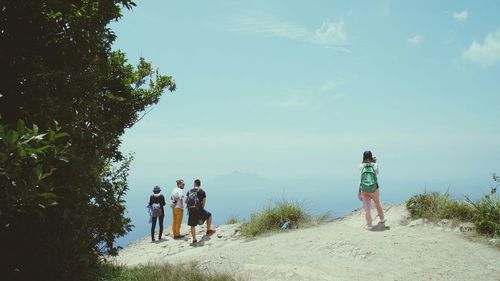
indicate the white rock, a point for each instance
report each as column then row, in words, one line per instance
column 466, row 227
column 416, row 222
column 494, row 241
column 445, row 223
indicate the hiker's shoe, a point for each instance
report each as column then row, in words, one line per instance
column 179, row 236
column 383, row 221
column 210, row 231
column 194, row 242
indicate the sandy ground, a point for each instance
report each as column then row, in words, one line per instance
column 339, row 250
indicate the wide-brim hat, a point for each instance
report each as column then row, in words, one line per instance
column 156, row 189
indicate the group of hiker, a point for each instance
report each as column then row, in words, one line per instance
column 195, row 201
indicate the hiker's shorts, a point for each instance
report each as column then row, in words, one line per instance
column 198, row 217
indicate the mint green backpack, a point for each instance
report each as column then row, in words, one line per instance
column 368, row 179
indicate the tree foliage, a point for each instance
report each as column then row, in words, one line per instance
column 65, row 99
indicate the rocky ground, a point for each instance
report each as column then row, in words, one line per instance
column 343, row 249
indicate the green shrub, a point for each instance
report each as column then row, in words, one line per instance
column 485, row 213
column 163, row 272
column 272, row 218
column 428, row 205
column 63, row 181
column 435, row 206
column 456, row 210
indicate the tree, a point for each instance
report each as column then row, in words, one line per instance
column 65, row 99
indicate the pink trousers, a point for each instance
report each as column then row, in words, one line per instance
column 367, row 197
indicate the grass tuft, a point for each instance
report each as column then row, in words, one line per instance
column 232, row 220
column 272, row 218
column 163, row 272
column 435, row 206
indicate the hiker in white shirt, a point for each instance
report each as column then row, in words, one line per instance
column 176, row 202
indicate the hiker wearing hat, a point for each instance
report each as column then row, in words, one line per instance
column 176, row 202
column 156, row 203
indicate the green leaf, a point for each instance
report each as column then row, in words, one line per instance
column 39, row 137
column 13, row 136
column 48, row 195
column 20, row 127
column 21, row 150
column 42, row 148
column 60, row 135
column 48, row 174
column 38, row 172
column 35, row 129
column 64, row 159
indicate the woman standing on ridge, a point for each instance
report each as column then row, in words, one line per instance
column 156, row 208
column 369, row 189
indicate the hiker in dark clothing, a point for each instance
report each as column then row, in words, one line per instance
column 155, row 205
column 195, row 201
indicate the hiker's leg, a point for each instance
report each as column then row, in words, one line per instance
column 176, row 224
column 161, row 226
column 368, row 208
column 175, row 219
column 173, row 222
column 376, row 200
column 209, row 222
column 193, row 232
column 153, row 226
column 180, row 213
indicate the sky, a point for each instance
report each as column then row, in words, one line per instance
column 297, row 90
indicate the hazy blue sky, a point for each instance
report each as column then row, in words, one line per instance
column 299, row 89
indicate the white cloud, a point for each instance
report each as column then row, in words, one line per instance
column 486, row 54
column 461, row 16
column 327, row 35
column 326, row 93
column 416, row 40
